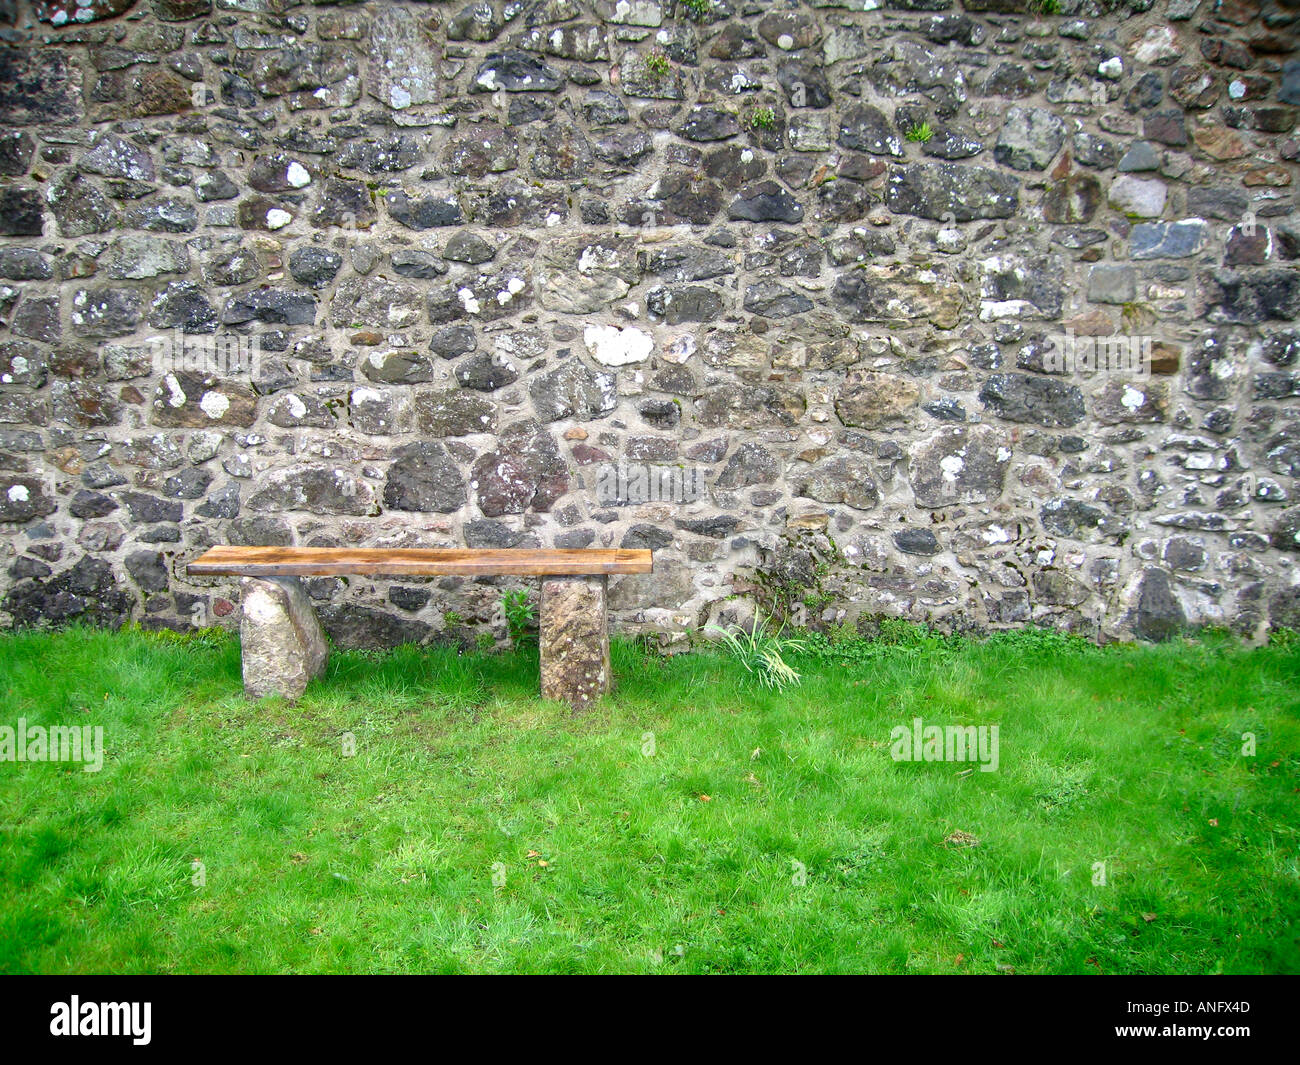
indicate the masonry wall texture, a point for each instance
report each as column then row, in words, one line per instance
column 422, row 274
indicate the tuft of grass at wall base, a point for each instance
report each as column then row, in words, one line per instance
column 693, row 822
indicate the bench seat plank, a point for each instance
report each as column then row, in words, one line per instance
column 416, row 562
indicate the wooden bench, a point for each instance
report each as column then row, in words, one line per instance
column 284, row 646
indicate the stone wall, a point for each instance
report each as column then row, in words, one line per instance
column 980, row 312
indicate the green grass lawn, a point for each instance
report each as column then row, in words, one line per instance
column 478, row 829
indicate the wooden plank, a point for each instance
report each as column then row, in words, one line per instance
column 413, row 562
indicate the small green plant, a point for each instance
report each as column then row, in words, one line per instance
column 697, row 10
column 762, row 118
column 485, row 641
column 1283, row 638
column 451, row 619
column 519, row 614
column 657, row 63
column 920, row 132
column 843, row 634
column 762, row 652
column 904, row 633
column 1045, row 7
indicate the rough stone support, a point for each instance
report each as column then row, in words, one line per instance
column 283, row 643
column 574, row 640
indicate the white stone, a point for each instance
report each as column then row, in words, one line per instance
column 1158, row 43
column 214, row 404
column 1142, row 198
column 637, row 13
column 992, row 310
column 612, row 346
column 176, row 397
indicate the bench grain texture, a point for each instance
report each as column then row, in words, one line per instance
column 415, row 562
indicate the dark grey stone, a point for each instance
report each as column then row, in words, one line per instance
column 1157, row 614
column 932, row 190
column 314, row 267
column 1041, row 400
column 916, row 541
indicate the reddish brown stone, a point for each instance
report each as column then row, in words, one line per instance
column 1195, row 88
column 860, row 168
column 1167, row 127
column 1073, row 199
column 1165, row 357
column 1220, row 143
column 585, row 454
column 1227, row 53
column 162, row 93
column 1274, row 176
column 1247, row 248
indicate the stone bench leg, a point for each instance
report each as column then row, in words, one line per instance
column 574, row 640
column 281, row 638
